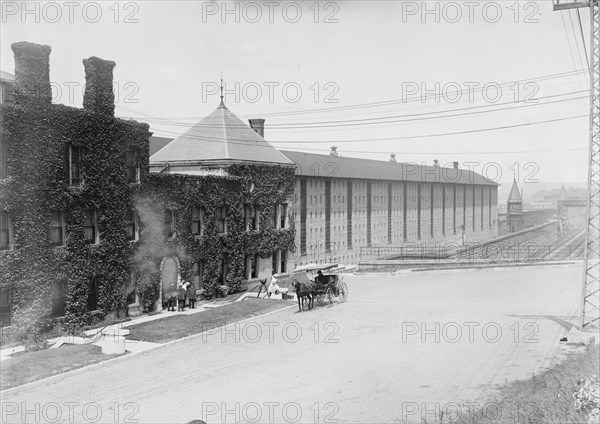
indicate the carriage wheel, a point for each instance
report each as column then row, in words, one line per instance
column 343, row 292
column 320, row 298
column 329, row 295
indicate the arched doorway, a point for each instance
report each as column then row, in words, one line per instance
column 169, row 271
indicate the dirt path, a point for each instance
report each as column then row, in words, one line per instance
column 403, row 348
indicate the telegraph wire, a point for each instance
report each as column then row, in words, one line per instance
column 575, row 72
column 416, row 117
column 240, row 141
column 587, row 59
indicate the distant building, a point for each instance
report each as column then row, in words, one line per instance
column 518, row 217
column 515, row 219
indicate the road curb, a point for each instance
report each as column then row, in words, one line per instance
column 125, row 356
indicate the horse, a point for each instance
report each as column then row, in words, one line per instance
column 303, row 290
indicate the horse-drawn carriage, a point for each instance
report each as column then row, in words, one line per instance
column 312, row 284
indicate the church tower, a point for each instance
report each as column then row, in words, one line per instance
column 515, row 210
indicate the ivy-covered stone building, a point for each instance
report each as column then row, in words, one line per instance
column 87, row 229
column 229, row 197
column 68, row 230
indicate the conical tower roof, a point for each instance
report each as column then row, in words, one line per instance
column 515, row 194
column 219, row 137
column 563, row 194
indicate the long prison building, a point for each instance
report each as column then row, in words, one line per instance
column 344, row 203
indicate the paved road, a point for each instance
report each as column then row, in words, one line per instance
column 402, row 348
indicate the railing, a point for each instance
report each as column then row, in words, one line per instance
column 409, row 251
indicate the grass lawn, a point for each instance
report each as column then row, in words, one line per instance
column 178, row 326
column 546, row 398
column 31, row 366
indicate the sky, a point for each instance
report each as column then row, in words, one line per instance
column 370, row 77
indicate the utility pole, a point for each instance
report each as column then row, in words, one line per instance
column 590, row 298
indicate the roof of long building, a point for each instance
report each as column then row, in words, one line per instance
column 310, row 165
column 219, row 137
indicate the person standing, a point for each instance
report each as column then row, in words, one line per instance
column 171, row 298
column 191, row 295
column 181, row 298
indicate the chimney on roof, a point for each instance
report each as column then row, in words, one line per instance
column 333, row 151
column 32, row 73
column 455, row 165
column 98, row 96
column 258, row 125
column 393, row 157
column 436, row 163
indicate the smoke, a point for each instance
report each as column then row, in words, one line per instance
column 152, row 244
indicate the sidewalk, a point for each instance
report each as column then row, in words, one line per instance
column 98, row 335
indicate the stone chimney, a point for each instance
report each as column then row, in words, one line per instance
column 455, row 165
column 393, row 157
column 436, row 163
column 98, row 96
column 32, row 73
column 333, row 151
column 258, row 125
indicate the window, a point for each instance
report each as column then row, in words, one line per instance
column 275, row 215
column 131, row 290
column 92, row 295
column 133, row 166
column 3, row 158
column 5, row 307
column 275, row 263
column 198, row 273
column 7, row 93
column 222, row 271
column 57, row 229
column 197, row 221
column 169, row 222
column 252, row 267
column 221, row 215
column 5, row 233
column 90, row 226
column 131, row 221
column 252, row 216
column 75, row 168
column 283, row 212
column 283, row 261
column 58, row 299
